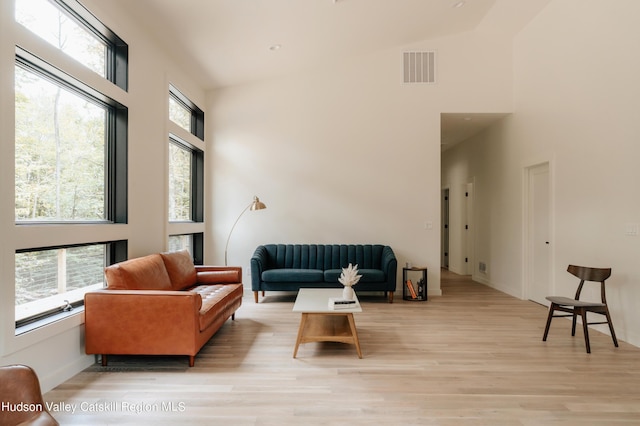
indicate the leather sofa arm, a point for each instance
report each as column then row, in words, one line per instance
column 218, row 274
column 131, row 321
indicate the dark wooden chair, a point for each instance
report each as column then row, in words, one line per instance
column 575, row 307
column 19, row 384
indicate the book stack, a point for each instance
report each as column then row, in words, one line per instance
column 412, row 290
column 339, row 303
column 416, row 291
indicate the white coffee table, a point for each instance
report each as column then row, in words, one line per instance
column 319, row 323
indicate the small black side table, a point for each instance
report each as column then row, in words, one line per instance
column 411, row 289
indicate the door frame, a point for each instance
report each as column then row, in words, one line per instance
column 528, row 171
column 469, row 235
column 445, row 216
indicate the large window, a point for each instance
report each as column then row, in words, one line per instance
column 54, row 280
column 186, row 181
column 186, row 161
column 60, row 151
column 70, row 157
column 68, row 26
column 185, row 113
column 186, row 175
column 70, row 148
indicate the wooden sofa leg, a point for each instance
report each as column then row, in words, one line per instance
column 255, row 296
column 192, row 360
column 390, row 297
column 104, row 360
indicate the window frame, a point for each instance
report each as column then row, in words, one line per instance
column 197, row 179
column 58, row 66
column 116, row 252
column 116, row 176
column 117, row 50
column 197, row 115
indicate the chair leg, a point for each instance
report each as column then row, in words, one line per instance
column 585, row 328
column 613, row 333
column 573, row 324
column 255, row 296
column 549, row 318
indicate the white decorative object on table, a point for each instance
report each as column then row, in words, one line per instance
column 349, row 277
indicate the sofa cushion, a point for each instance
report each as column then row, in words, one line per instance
column 293, row 275
column 368, row 275
column 181, row 270
column 142, row 273
column 216, row 299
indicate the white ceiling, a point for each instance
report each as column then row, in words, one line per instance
column 227, row 42
column 458, row 127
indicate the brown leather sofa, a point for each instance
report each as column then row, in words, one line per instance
column 161, row 304
column 21, row 398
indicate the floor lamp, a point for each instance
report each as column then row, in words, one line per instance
column 256, row 204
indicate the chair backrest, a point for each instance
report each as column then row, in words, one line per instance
column 20, row 388
column 585, row 273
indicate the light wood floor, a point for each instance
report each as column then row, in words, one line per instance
column 473, row 356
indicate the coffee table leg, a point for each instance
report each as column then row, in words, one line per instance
column 354, row 334
column 303, row 320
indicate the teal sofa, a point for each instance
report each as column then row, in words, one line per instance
column 289, row 267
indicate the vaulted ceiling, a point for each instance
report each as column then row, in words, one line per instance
column 230, row 42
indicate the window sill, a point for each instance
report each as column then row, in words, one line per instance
column 51, row 319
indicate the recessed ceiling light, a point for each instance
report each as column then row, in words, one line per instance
column 459, row 4
column 275, row 47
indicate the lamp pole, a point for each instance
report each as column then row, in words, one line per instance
column 256, row 204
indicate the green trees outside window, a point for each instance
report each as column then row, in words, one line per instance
column 60, row 152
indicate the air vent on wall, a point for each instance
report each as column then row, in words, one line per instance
column 419, row 67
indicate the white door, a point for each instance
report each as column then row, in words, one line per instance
column 538, row 244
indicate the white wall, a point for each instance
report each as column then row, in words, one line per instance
column 577, row 99
column 346, row 153
column 56, row 351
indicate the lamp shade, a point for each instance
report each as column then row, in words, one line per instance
column 257, row 204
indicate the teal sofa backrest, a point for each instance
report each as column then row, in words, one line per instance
column 324, row 257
